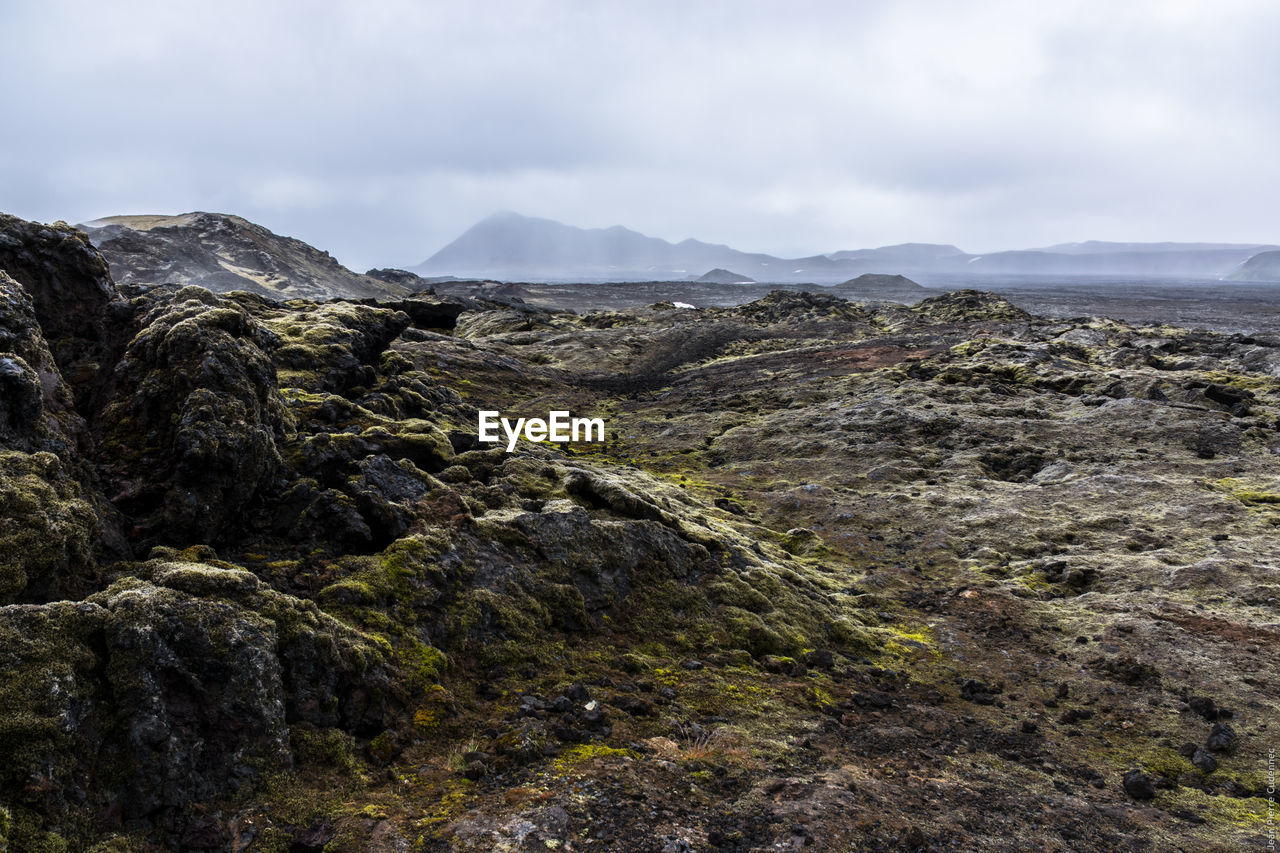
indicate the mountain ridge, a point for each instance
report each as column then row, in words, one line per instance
column 512, row 246
column 224, row 252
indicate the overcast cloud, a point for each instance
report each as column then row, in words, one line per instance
column 380, row 130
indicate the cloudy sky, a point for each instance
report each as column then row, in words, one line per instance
column 380, row 130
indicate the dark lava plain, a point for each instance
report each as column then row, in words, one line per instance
column 1218, row 306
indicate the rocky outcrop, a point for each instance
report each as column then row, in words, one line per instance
column 39, row 411
column 50, row 529
column 224, row 253
column 53, row 523
column 189, row 437
column 336, row 345
column 969, row 306
column 175, row 686
column 402, row 278
column 428, row 313
column 73, row 296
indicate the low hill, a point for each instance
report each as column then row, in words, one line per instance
column 723, row 276
column 873, row 286
column 1264, row 266
column 225, row 253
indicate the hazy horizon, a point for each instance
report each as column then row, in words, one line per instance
column 381, row 132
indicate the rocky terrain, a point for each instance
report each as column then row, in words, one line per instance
column 224, row 253
column 844, row 575
column 619, row 295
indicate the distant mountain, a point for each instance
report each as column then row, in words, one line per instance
column 1264, row 266
column 512, row 247
column 1102, row 247
column 223, row 253
column 911, row 253
column 1169, row 261
column 723, row 276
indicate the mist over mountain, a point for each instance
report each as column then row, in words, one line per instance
column 520, row 248
column 508, row 245
column 1264, row 266
column 910, row 253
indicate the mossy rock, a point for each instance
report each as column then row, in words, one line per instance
column 47, row 530
column 172, row 686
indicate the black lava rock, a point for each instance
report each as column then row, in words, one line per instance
column 1139, row 785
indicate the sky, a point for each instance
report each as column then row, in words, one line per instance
column 380, row 130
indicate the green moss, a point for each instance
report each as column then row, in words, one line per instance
column 750, row 632
column 425, row 663
column 1247, row 494
column 291, row 799
column 413, row 556
column 570, row 758
column 907, row 643
column 504, row 613
column 565, row 606
column 330, row 748
column 453, row 800
column 46, row 529
column 1219, row 812
column 852, row 636
column 666, row 677
column 819, row 698
column 432, row 713
column 1033, row 582
column 46, row 661
column 1160, row 760
column 1244, row 382
column 369, row 584
column 735, row 592
column 27, row 834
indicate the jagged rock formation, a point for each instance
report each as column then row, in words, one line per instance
column 224, row 253
column 193, row 425
column 175, row 686
column 966, row 570
column 411, row 282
